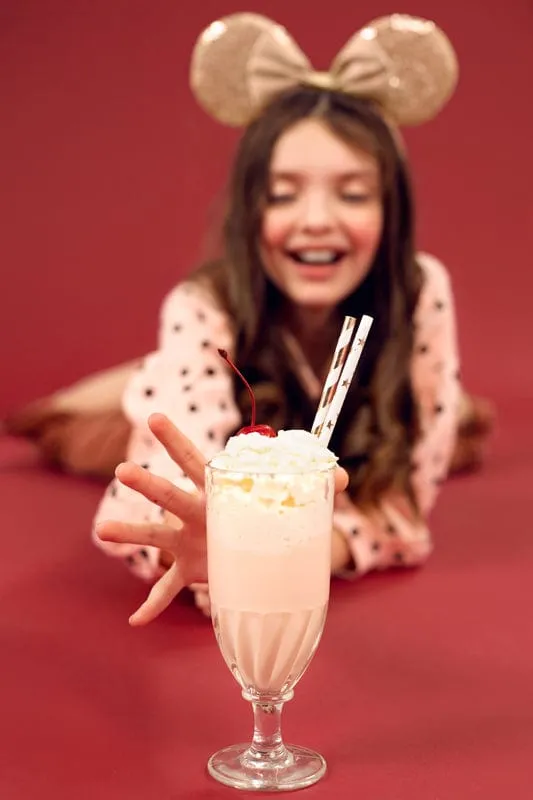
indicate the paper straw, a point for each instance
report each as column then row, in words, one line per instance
column 334, row 407
column 338, row 361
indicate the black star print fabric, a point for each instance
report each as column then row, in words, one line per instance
column 186, row 379
column 390, row 536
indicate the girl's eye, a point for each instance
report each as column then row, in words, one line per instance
column 279, row 199
column 354, row 197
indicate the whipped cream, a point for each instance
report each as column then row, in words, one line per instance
column 293, row 451
column 269, row 495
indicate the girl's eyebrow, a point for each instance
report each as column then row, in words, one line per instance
column 348, row 175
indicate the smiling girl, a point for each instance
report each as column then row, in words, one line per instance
column 319, row 224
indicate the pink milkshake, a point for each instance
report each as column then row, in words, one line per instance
column 269, row 525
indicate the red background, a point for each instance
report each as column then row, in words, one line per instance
column 110, row 171
column 421, row 688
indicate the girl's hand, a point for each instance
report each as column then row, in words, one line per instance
column 184, row 541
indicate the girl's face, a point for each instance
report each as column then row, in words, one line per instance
column 323, row 220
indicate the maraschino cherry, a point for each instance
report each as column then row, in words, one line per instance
column 264, row 430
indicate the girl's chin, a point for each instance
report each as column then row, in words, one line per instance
column 317, row 274
column 316, row 295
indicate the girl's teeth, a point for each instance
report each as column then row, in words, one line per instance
column 316, row 256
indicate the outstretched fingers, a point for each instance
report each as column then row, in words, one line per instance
column 165, row 537
column 188, row 507
column 341, row 480
column 162, row 594
column 181, row 450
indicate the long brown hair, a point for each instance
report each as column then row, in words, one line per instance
column 378, row 425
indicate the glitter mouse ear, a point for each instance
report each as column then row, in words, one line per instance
column 421, row 67
column 241, row 62
column 220, row 73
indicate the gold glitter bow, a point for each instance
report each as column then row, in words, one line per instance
column 405, row 64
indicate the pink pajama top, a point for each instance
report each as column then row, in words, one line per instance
column 186, row 379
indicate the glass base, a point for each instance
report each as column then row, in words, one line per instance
column 241, row 767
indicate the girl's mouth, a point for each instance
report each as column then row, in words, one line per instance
column 316, row 258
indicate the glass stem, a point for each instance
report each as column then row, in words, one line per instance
column 267, row 744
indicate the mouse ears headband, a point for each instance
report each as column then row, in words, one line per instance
column 405, row 64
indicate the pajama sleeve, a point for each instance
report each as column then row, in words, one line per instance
column 186, row 379
column 391, row 535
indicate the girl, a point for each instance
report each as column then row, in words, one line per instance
column 319, row 224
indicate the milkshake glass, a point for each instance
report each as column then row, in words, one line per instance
column 269, row 525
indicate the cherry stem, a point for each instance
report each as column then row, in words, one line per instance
column 227, row 359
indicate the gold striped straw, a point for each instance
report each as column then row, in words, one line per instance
column 333, row 407
column 340, row 355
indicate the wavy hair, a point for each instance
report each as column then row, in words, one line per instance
column 378, row 424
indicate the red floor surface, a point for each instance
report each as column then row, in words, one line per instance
column 421, row 688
